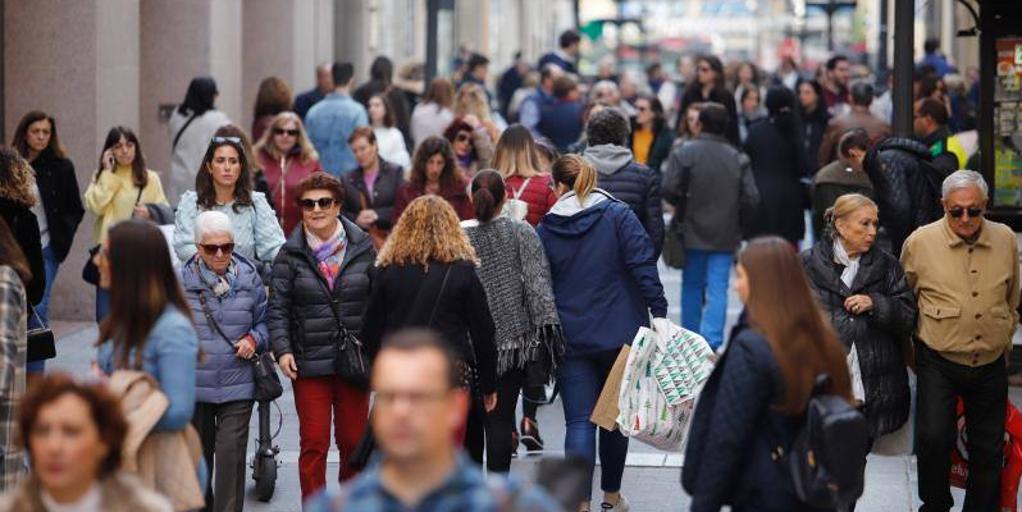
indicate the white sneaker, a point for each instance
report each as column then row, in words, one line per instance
column 620, row 506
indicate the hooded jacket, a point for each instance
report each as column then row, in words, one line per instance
column 603, row 271
column 636, row 185
column 300, row 319
column 222, row 376
column 906, row 187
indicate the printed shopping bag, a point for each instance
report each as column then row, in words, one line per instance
column 1012, row 470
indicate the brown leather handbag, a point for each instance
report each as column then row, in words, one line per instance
column 379, row 235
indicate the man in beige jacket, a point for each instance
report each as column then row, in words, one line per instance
column 964, row 270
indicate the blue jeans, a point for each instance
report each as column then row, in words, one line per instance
column 102, row 303
column 580, row 380
column 704, row 287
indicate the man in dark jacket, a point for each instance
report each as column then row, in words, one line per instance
column 711, row 186
column 906, row 187
column 635, row 184
column 560, row 118
column 566, row 56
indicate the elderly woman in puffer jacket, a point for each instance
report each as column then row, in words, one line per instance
column 228, row 303
column 864, row 293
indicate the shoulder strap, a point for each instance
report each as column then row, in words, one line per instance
column 443, row 286
column 181, row 131
column 209, row 318
column 419, row 305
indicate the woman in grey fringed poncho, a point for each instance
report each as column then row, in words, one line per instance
column 515, row 274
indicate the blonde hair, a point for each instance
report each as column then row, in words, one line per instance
column 427, row 231
column 577, row 173
column 845, row 206
column 472, row 99
column 516, row 153
column 265, row 144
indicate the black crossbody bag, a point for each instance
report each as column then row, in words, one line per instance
column 267, row 384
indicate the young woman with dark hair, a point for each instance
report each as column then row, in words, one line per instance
column 191, row 126
column 814, row 116
column 119, row 190
column 515, row 274
column 389, row 139
column 224, row 183
column 435, row 171
column 756, row 396
column 709, row 87
column 59, row 210
column 651, row 137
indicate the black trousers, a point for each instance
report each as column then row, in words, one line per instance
column 223, row 429
column 984, row 390
column 500, row 423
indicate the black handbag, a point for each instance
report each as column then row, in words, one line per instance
column 267, row 384
column 90, row 272
column 41, row 343
column 350, row 360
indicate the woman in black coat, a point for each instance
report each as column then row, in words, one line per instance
column 775, row 149
column 872, row 308
column 709, row 86
column 426, row 277
column 814, row 116
column 320, row 286
column 370, row 209
column 36, row 140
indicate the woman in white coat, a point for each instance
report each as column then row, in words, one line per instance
column 191, row 126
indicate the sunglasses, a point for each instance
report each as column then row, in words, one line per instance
column 956, row 213
column 311, row 204
column 462, row 137
column 226, row 140
column 212, row 249
column 281, row 131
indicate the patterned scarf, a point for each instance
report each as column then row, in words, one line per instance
column 329, row 253
column 220, row 284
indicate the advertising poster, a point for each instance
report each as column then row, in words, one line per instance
column 1008, row 123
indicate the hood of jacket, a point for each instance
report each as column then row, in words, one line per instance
column 608, row 158
column 571, row 218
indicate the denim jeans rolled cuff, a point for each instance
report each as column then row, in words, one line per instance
column 704, row 287
column 581, row 379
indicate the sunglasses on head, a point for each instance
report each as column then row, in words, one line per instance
column 957, row 213
column 212, row 249
column 281, row 131
column 323, row 203
column 226, row 140
column 462, row 137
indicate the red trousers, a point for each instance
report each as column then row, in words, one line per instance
column 315, row 399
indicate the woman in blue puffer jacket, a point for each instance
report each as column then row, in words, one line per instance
column 603, row 269
column 228, row 303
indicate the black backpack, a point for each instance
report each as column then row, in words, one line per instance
column 827, row 461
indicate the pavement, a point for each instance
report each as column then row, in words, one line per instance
column 651, row 478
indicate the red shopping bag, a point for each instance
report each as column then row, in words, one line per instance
column 1012, row 456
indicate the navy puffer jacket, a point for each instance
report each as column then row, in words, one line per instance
column 300, row 319
column 635, row 184
column 221, row 376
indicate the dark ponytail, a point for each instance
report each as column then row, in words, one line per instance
column 488, row 194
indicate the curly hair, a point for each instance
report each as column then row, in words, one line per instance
column 17, row 182
column 428, row 231
column 431, row 146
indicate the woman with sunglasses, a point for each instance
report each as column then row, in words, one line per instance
column 435, row 172
column 709, row 86
column 228, row 304
column 472, row 145
column 651, row 137
column 119, row 190
column 224, row 183
column 320, row 288
column 285, row 156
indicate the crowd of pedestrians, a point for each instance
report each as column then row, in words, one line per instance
column 454, row 253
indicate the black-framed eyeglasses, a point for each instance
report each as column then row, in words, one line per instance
column 281, row 131
column 212, row 249
column 311, row 204
column 956, row 213
column 226, row 140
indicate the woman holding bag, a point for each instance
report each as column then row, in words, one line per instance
column 371, row 189
column 320, row 286
column 870, row 305
column 228, row 303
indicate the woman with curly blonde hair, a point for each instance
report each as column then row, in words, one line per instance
column 426, row 277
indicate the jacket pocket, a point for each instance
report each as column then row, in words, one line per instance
column 941, row 312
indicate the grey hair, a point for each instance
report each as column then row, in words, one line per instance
column 963, row 179
column 212, row 223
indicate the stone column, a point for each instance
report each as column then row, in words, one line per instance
column 78, row 61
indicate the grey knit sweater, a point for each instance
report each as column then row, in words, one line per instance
column 516, row 276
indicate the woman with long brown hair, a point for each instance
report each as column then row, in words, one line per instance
column 149, row 327
column 433, row 114
column 274, row 97
column 752, row 405
column 435, row 172
column 426, row 277
column 284, row 157
column 14, row 308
